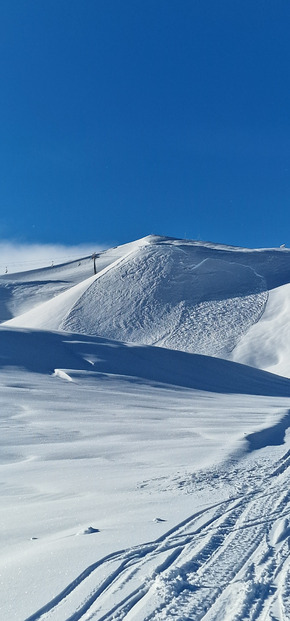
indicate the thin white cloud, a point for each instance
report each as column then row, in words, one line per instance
column 21, row 257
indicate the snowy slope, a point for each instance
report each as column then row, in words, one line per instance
column 136, row 485
column 23, row 291
column 267, row 344
column 199, row 298
column 137, row 482
column 71, row 355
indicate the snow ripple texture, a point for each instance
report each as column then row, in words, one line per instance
column 168, row 297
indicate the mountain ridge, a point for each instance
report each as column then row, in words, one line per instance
column 186, row 295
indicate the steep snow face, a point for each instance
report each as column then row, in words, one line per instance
column 199, row 298
column 162, row 296
column 267, row 343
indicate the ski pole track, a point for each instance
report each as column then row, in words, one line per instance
column 192, row 571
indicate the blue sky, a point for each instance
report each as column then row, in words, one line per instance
column 121, row 118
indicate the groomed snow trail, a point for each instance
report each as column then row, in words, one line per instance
column 227, row 562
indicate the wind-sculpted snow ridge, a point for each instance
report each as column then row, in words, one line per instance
column 72, row 354
column 227, row 562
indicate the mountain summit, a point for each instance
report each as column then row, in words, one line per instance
column 185, row 295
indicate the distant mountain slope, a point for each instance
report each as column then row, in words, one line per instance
column 22, row 291
column 185, row 295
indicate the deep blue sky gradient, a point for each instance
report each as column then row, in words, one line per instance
column 121, row 118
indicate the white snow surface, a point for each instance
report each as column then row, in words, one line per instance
column 139, row 482
column 174, row 293
column 267, row 343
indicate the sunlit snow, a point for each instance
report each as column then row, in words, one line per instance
column 144, row 467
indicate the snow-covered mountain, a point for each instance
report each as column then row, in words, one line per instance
column 184, row 295
column 144, row 446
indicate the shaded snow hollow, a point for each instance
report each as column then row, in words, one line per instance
column 69, row 356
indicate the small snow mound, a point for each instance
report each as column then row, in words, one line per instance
column 281, row 531
column 171, row 583
column 62, row 374
column 89, row 531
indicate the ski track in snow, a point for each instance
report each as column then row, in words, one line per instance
column 227, row 562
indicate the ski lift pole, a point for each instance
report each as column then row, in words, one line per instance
column 94, row 259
